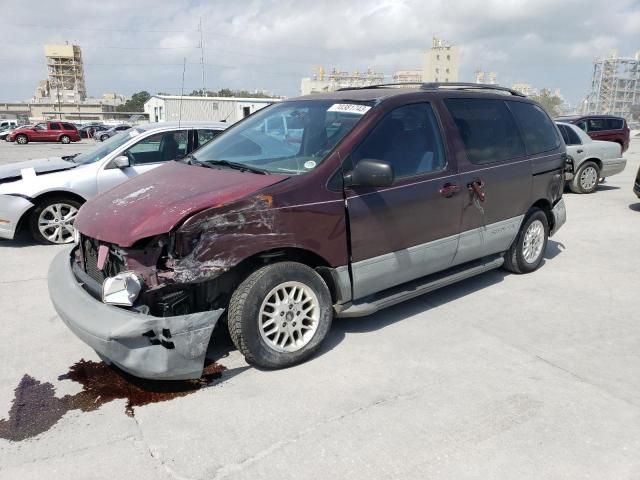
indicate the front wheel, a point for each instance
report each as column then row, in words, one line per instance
column 527, row 251
column 586, row 178
column 103, row 137
column 65, row 139
column 52, row 220
column 280, row 314
column 22, row 139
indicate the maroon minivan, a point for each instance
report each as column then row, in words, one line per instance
column 380, row 195
column 602, row 127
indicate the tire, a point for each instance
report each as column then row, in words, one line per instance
column 586, row 178
column 522, row 257
column 59, row 213
column 103, row 137
column 22, row 139
column 65, row 139
column 252, row 320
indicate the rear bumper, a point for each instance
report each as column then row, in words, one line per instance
column 559, row 212
column 163, row 348
column 613, row 167
column 12, row 208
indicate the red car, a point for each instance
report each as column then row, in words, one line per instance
column 62, row 132
column 602, row 127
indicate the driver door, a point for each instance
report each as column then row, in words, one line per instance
column 145, row 155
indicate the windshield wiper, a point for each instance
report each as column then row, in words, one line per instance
column 69, row 158
column 236, row 166
column 191, row 160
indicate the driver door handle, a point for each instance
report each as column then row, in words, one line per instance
column 580, row 151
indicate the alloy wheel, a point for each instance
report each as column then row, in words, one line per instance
column 56, row 222
column 588, row 178
column 533, row 242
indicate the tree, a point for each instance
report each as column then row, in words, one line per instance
column 135, row 103
column 551, row 103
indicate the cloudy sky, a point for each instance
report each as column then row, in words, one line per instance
column 271, row 44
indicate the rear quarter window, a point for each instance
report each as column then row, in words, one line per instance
column 538, row 131
column 487, row 129
column 68, row 126
column 614, row 123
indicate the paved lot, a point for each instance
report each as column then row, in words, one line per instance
column 502, row 376
column 12, row 152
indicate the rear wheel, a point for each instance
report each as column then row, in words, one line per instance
column 51, row 222
column 65, row 139
column 586, row 178
column 280, row 314
column 103, row 137
column 22, row 139
column 527, row 251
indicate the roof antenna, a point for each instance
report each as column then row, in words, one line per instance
column 184, row 67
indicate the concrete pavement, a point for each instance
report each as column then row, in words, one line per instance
column 501, row 376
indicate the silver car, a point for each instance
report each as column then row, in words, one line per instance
column 102, row 135
column 44, row 195
column 589, row 160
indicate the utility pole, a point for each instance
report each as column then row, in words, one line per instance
column 204, row 89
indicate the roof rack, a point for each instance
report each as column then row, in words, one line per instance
column 469, row 86
column 440, row 86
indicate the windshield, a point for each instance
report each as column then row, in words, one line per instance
column 289, row 138
column 105, row 148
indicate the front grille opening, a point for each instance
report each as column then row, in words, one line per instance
column 113, row 265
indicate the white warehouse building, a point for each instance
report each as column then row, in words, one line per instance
column 170, row 108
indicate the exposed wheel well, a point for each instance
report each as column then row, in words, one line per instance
column 231, row 279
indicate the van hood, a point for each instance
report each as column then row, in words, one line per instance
column 17, row 170
column 154, row 203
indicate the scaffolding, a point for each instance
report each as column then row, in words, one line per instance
column 615, row 86
column 65, row 72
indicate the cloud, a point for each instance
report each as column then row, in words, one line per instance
column 272, row 44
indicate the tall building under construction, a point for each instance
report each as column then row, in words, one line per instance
column 615, row 86
column 65, row 73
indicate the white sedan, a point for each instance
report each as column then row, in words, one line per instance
column 589, row 160
column 45, row 195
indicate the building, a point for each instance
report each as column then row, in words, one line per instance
column 65, row 74
column 407, row 76
column 615, row 86
column 85, row 111
column 487, row 78
column 170, row 108
column 321, row 82
column 441, row 63
column 524, row 88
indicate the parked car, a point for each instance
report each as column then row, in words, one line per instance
column 602, row 127
column 589, row 160
column 45, row 195
column 391, row 193
column 4, row 134
column 102, row 135
column 4, row 123
column 62, row 132
column 87, row 131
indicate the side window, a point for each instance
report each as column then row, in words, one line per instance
column 596, row 124
column 68, row 126
column 160, row 147
column 538, row 132
column 582, row 126
column 205, row 136
column 487, row 128
column 614, row 123
column 574, row 139
column 564, row 133
column 40, row 126
column 54, row 126
column 408, row 138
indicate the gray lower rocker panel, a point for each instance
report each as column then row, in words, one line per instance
column 419, row 287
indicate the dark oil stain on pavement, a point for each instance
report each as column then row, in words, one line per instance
column 36, row 409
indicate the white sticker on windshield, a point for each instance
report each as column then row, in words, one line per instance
column 134, row 133
column 309, row 164
column 349, row 108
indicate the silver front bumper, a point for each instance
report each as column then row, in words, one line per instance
column 12, row 208
column 166, row 348
column 559, row 212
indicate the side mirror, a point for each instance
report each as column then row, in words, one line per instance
column 121, row 161
column 370, row 173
